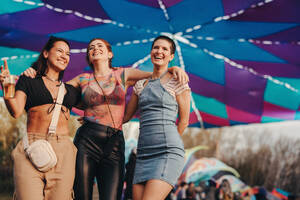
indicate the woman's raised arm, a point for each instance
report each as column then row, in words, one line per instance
column 16, row 104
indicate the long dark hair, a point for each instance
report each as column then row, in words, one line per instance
column 108, row 46
column 41, row 63
column 162, row 37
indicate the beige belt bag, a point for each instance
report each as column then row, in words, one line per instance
column 41, row 155
column 40, row 152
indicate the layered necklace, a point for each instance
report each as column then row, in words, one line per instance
column 52, row 79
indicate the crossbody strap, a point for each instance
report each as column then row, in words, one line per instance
column 55, row 116
column 57, row 109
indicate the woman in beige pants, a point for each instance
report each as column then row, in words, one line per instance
column 38, row 96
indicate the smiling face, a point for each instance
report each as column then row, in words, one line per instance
column 97, row 50
column 161, row 53
column 58, row 56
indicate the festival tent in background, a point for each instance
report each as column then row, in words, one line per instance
column 189, row 158
column 205, row 168
column 242, row 56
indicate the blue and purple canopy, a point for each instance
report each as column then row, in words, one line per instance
column 243, row 57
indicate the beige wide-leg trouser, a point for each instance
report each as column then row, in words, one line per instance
column 56, row 184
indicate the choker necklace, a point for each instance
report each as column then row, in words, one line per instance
column 51, row 79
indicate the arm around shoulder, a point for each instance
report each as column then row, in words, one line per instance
column 133, row 75
column 75, row 82
column 179, row 74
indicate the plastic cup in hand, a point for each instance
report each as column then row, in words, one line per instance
column 9, row 86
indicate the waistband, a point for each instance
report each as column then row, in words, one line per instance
column 102, row 128
column 46, row 135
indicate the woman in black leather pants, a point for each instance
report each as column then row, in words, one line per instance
column 100, row 155
column 100, row 140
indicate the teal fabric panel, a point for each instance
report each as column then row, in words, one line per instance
column 210, row 106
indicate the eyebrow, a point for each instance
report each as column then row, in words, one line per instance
column 161, row 46
column 63, row 49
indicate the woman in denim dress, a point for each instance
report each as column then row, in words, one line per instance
column 160, row 152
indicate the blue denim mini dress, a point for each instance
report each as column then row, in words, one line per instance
column 160, row 151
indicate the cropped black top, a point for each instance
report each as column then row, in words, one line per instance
column 38, row 94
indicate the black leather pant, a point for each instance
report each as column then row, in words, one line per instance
column 101, row 155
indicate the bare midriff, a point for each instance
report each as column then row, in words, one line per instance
column 38, row 120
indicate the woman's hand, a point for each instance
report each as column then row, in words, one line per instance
column 4, row 72
column 179, row 74
column 30, row 72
